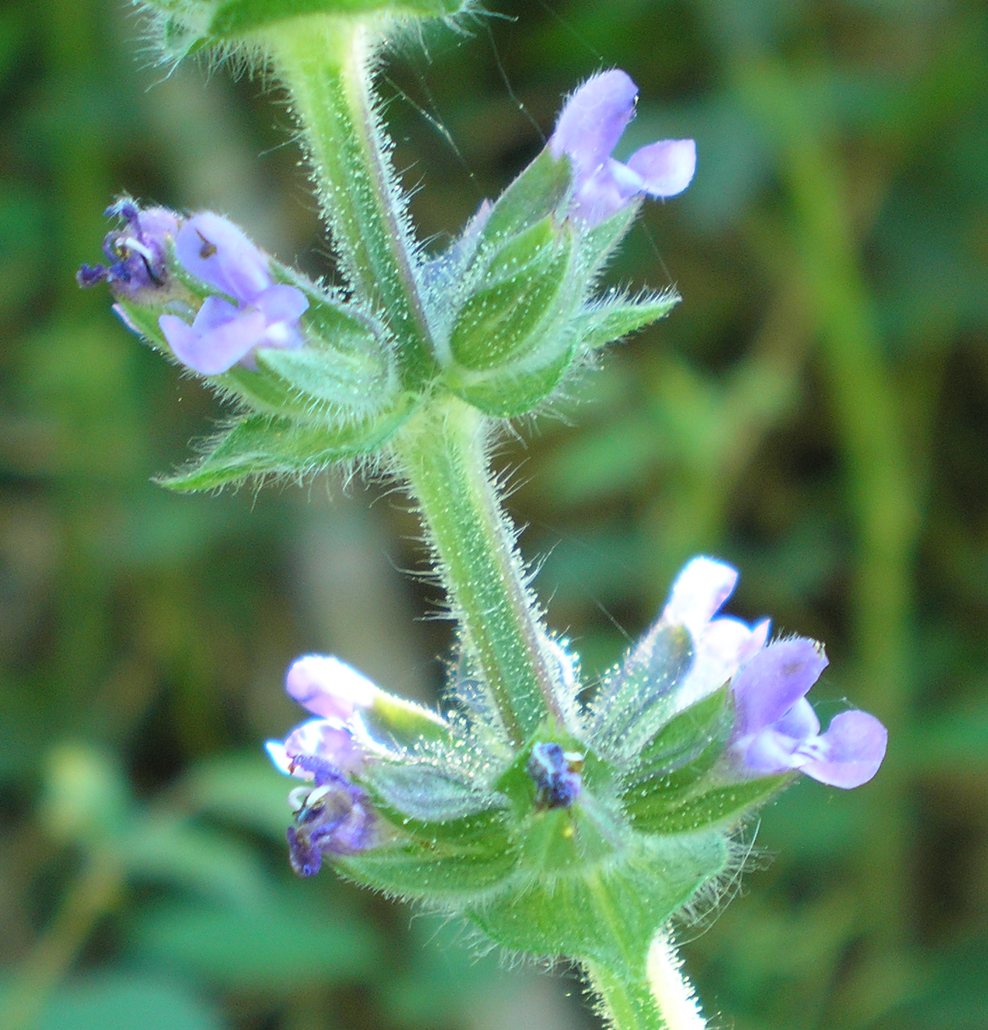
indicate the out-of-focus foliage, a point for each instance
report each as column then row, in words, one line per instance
column 815, row 412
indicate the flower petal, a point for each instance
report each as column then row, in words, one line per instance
column 218, row 348
column 699, row 592
column 215, row 311
column 800, row 722
column 849, row 753
column 328, row 687
column 593, row 119
column 768, row 752
column 279, row 756
column 774, row 680
column 666, row 168
column 326, row 739
column 216, row 251
column 720, row 650
column 282, row 303
column 597, row 197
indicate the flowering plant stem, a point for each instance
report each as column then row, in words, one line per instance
column 442, row 451
column 324, row 63
column 628, row 1004
column 442, row 454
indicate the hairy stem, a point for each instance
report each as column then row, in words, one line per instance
column 443, row 458
column 649, row 991
column 325, row 64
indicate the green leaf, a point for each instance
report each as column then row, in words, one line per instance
column 427, row 793
column 506, row 393
column 600, row 241
column 611, row 320
column 353, row 383
column 687, row 734
column 526, row 292
column 598, row 913
column 237, row 17
column 266, row 393
column 535, row 193
column 567, row 839
column 232, row 18
column 259, row 446
column 722, row 805
column 667, row 790
column 434, row 873
column 397, row 723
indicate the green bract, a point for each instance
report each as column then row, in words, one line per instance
column 594, row 879
column 188, row 25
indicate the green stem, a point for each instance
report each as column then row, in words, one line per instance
column 325, row 63
column 442, row 453
column 626, row 1004
column 649, row 991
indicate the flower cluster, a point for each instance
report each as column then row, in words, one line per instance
column 333, row 816
column 666, row 710
column 776, row 729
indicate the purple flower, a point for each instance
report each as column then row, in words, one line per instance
column 258, row 313
column 333, row 818
column 720, row 645
column 328, row 687
column 137, row 251
column 589, row 127
column 556, row 774
column 332, row 815
column 335, row 692
column 777, row 730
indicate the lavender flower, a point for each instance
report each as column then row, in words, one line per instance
column 720, row 645
column 589, row 127
column 259, row 313
column 777, row 729
column 335, row 692
column 137, row 250
column 332, row 816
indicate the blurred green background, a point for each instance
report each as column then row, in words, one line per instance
column 815, row 412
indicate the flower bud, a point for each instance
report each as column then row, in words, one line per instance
column 514, row 336
column 525, row 289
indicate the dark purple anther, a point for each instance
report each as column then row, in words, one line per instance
column 135, row 252
column 333, row 818
column 556, row 774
